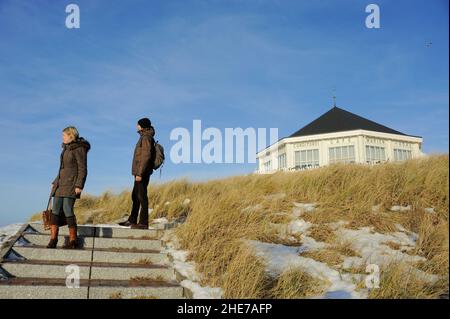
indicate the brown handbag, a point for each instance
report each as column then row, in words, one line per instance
column 47, row 216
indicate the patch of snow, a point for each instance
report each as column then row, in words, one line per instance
column 376, row 208
column 338, row 224
column 280, row 257
column 297, row 211
column 352, row 262
column 310, row 244
column 162, row 220
column 339, row 294
column 301, row 227
column 7, row 232
column 413, row 236
column 429, row 210
column 398, row 208
column 187, row 269
column 301, row 208
column 373, row 248
column 430, row 278
column 298, row 226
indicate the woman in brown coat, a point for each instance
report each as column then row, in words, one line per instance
column 68, row 184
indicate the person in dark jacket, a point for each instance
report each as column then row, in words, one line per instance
column 142, row 168
column 68, row 184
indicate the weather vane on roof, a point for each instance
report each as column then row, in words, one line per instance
column 334, row 96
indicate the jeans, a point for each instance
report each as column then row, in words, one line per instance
column 63, row 203
column 140, row 200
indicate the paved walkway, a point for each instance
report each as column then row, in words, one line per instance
column 111, row 262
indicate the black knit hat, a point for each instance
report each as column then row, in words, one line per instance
column 145, row 123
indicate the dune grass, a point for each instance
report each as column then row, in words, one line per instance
column 222, row 212
column 398, row 281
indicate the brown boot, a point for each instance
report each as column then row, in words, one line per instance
column 72, row 238
column 72, row 223
column 54, row 230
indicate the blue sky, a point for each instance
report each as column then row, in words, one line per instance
column 229, row 63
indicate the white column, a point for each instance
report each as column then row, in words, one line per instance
column 359, row 152
column 289, row 155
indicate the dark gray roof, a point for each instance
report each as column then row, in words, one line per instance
column 338, row 120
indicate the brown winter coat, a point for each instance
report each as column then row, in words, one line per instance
column 73, row 168
column 144, row 153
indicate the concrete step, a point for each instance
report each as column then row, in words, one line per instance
column 69, row 255
column 85, row 231
column 86, row 255
column 42, row 292
column 122, row 232
column 46, row 288
column 41, row 271
column 175, row 292
column 87, row 242
column 103, row 271
column 144, row 244
column 42, row 240
column 107, row 232
column 113, row 262
column 116, row 273
column 131, row 257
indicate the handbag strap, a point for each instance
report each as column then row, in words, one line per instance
column 49, row 204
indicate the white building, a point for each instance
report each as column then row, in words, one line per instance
column 338, row 136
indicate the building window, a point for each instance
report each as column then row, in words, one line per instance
column 375, row 154
column 306, row 159
column 401, row 155
column 268, row 166
column 282, row 161
column 345, row 154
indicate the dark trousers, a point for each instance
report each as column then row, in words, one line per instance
column 140, row 200
column 65, row 204
column 63, row 207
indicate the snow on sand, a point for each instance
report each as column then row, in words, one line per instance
column 7, row 232
column 187, row 269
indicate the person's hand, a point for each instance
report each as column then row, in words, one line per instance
column 78, row 190
column 138, row 178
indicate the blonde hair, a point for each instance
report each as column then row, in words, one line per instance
column 72, row 132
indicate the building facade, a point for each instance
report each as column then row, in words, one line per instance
column 338, row 136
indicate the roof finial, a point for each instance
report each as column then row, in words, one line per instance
column 334, row 97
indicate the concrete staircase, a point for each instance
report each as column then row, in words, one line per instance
column 112, row 263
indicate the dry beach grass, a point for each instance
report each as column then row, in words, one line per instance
column 222, row 215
